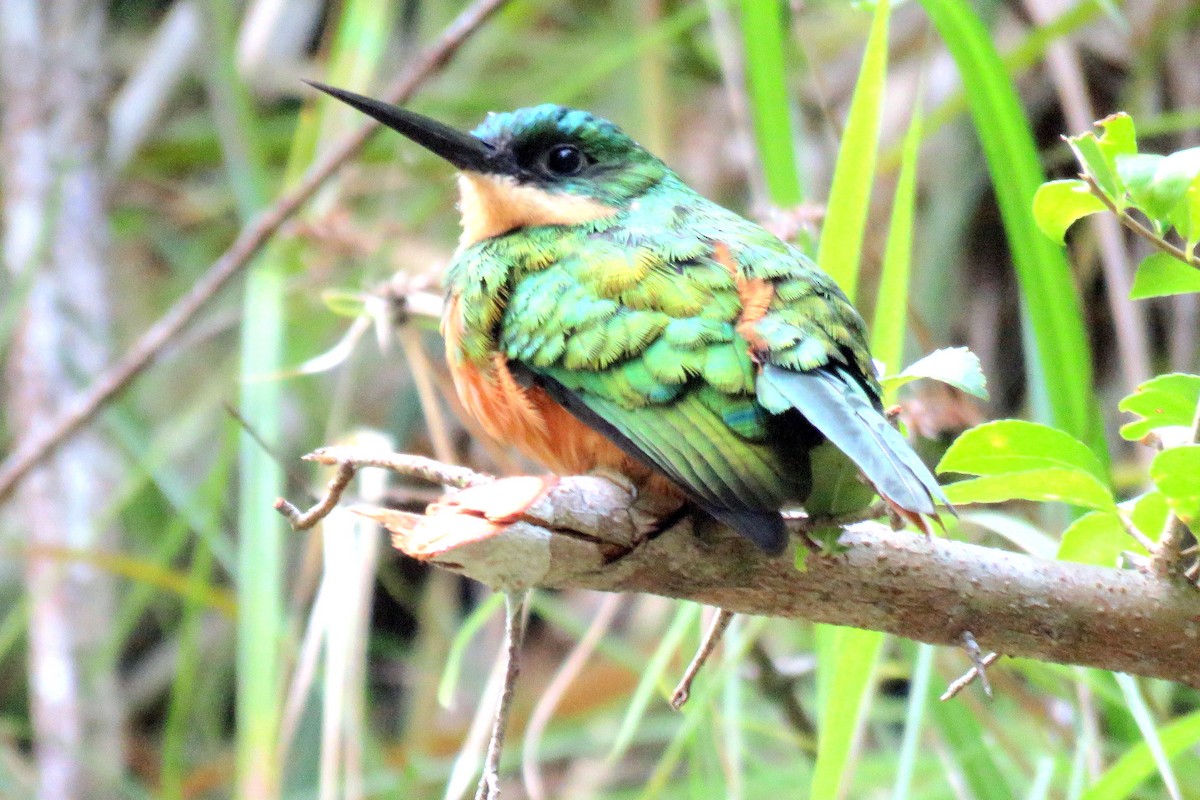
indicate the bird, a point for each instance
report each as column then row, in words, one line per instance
column 603, row 316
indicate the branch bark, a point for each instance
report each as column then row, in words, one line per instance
column 584, row 532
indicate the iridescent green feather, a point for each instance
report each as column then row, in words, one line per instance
column 631, row 322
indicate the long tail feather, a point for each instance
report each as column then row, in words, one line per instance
column 842, row 411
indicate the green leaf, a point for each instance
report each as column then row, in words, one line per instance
column 765, row 32
column 1121, row 779
column 891, row 301
column 1176, row 473
column 1187, row 219
column 1137, row 172
column 854, row 173
column 1158, row 184
column 1161, row 402
column 1161, row 274
column 1119, row 137
column 957, row 366
column 855, row 654
column 1051, row 484
column 1061, row 354
column 1149, row 513
column 1099, row 165
column 1060, row 204
column 1013, row 445
column 343, row 303
column 1097, row 537
column 1098, row 156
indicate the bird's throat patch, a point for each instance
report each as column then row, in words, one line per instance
column 492, row 205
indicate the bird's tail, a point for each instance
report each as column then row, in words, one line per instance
column 838, row 406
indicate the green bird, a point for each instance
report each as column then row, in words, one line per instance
column 602, row 315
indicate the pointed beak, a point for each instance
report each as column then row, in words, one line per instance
column 460, row 149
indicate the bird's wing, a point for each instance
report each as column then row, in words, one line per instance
column 811, row 347
column 640, row 343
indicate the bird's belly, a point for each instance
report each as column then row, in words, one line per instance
column 530, row 420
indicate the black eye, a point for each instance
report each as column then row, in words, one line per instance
column 564, row 160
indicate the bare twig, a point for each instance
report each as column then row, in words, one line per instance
column 976, row 656
column 977, row 671
column 333, row 493
column 1137, row 227
column 713, row 635
column 249, row 243
column 515, row 604
column 1132, row 530
column 349, row 460
column 780, row 689
column 426, row 469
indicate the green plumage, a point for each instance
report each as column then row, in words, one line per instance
column 635, row 322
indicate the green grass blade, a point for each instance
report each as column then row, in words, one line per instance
column 891, row 304
column 851, row 669
column 685, row 618
column 458, row 648
column 1145, row 722
column 766, row 73
column 963, row 734
column 1121, row 779
column 847, row 658
column 260, row 478
column 1049, row 297
column 183, row 688
column 914, row 716
column 854, row 173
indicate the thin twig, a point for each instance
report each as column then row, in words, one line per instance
column 1132, row 530
column 974, row 672
column 349, row 459
column 1135, row 225
column 249, row 243
column 711, row 637
column 302, row 521
column 515, row 604
column 775, row 686
column 426, row 469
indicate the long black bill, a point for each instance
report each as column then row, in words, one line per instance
column 460, row 149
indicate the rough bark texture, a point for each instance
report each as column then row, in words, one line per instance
column 581, row 533
column 55, row 236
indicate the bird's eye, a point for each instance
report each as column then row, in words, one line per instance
column 564, row 160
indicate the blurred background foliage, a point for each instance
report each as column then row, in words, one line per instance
column 249, row 661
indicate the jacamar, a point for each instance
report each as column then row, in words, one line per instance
column 602, row 315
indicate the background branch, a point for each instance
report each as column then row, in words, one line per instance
column 248, row 244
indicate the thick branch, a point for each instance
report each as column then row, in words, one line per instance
column 582, row 532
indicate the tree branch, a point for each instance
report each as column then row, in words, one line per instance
column 583, row 532
column 37, row 446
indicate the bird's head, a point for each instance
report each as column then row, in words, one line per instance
column 543, row 165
